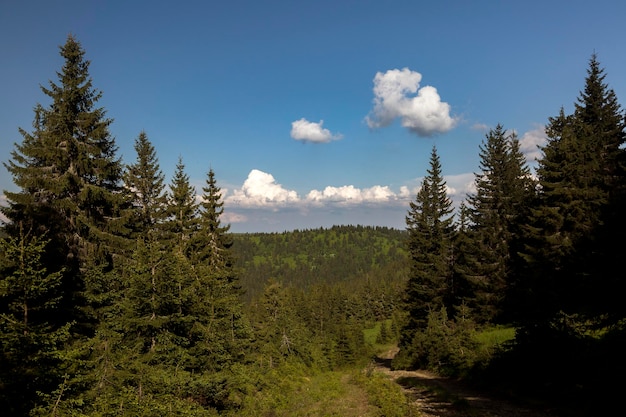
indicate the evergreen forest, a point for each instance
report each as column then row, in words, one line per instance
column 123, row 293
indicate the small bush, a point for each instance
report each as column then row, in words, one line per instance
column 445, row 346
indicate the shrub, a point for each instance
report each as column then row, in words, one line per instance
column 445, row 346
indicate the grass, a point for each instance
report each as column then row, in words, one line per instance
column 296, row 394
column 495, row 336
column 371, row 334
column 297, row 391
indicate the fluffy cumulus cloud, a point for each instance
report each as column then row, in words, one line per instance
column 397, row 95
column 348, row 194
column 531, row 141
column 260, row 189
column 312, row 132
column 405, row 192
column 262, row 204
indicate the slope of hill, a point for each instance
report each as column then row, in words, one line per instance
column 349, row 256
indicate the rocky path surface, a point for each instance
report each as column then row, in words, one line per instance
column 437, row 396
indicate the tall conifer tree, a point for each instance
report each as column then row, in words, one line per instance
column 219, row 289
column 212, row 243
column 430, row 233
column 182, row 209
column 503, row 191
column 146, row 183
column 69, row 179
column 603, row 123
column 67, row 168
column 578, row 216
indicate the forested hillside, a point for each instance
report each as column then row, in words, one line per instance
column 311, row 294
column 349, row 255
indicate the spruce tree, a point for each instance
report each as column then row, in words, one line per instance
column 465, row 267
column 603, row 124
column 276, row 329
column 69, row 180
column 69, row 195
column 119, row 296
column 503, row 191
column 211, row 243
column 430, row 232
column 182, row 210
column 146, row 183
column 579, row 212
column 219, row 291
column 67, row 168
column 31, row 342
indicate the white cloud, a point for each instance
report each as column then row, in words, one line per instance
column 230, row 217
column 261, row 190
column 338, row 194
column 378, row 194
column 530, row 142
column 262, row 204
column 349, row 194
column 458, row 186
column 312, row 132
column 397, row 94
column 261, row 193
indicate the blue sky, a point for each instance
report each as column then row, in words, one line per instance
column 314, row 113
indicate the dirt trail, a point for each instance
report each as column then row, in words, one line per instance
column 436, row 396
